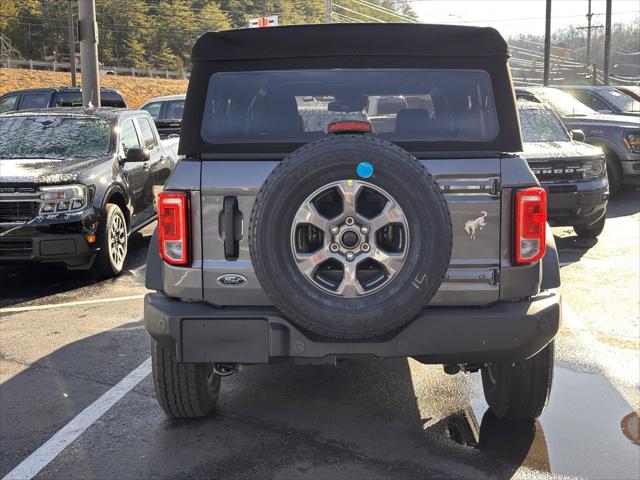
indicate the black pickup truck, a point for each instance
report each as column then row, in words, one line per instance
column 74, row 183
column 32, row 98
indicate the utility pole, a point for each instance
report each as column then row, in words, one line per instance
column 607, row 42
column 547, row 45
column 328, row 9
column 589, row 15
column 72, row 44
column 88, row 36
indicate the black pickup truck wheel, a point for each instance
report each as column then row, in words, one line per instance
column 184, row 390
column 519, row 390
column 113, row 238
column 350, row 237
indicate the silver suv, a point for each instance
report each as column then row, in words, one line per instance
column 298, row 228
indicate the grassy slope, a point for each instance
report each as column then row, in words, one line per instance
column 136, row 90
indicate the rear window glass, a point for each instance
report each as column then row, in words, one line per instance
column 174, row 110
column 69, row 99
column 112, row 99
column 34, row 100
column 406, row 105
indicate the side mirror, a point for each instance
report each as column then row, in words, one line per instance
column 577, row 135
column 137, row 154
column 605, row 111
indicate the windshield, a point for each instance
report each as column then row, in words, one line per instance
column 299, row 105
column 565, row 104
column 540, row 124
column 50, row 136
column 622, row 101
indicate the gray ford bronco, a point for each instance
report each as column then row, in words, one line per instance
column 299, row 228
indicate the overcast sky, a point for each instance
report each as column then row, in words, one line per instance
column 512, row 17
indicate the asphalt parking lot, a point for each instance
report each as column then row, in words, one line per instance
column 70, row 406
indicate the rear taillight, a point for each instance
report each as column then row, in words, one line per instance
column 531, row 225
column 173, row 227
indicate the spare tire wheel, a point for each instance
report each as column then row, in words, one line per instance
column 350, row 237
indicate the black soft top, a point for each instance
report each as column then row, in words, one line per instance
column 350, row 46
column 381, row 39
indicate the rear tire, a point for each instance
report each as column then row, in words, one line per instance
column 591, row 231
column 184, row 390
column 519, row 390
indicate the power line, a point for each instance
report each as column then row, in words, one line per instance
column 335, row 5
column 385, row 10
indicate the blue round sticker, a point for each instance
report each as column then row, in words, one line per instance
column 364, row 169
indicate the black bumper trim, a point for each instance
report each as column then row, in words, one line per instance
column 69, row 249
column 502, row 332
column 581, row 207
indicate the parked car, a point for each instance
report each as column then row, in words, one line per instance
column 618, row 136
column 605, row 99
column 633, row 91
column 166, row 113
column 34, row 98
column 573, row 173
column 285, row 241
column 75, row 183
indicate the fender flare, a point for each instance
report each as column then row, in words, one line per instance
column 113, row 188
column 606, row 144
column 153, row 272
column 550, row 264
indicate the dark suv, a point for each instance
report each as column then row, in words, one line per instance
column 166, row 113
column 618, row 136
column 300, row 229
column 573, row 173
column 55, row 97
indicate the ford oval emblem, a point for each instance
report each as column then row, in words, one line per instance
column 232, row 280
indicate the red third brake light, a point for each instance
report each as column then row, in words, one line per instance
column 350, row 126
column 531, row 225
column 173, row 215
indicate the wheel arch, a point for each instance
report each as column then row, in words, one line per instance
column 116, row 195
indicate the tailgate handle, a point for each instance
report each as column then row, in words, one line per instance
column 231, row 227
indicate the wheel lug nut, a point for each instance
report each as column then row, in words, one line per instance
column 364, row 229
column 349, row 221
column 350, row 256
column 334, row 247
column 335, row 230
column 365, row 247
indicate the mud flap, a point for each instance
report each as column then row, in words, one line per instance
column 550, row 264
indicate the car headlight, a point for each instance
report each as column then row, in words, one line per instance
column 63, row 198
column 632, row 141
column 595, row 169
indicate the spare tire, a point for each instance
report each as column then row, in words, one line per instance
column 350, row 237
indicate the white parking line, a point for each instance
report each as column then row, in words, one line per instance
column 44, row 455
column 70, row 304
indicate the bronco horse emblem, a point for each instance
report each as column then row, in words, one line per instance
column 472, row 226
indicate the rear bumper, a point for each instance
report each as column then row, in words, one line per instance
column 502, row 332
column 576, row 204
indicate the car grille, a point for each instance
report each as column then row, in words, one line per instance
column 18, row 211
column 558, row 172
column 15, row 248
